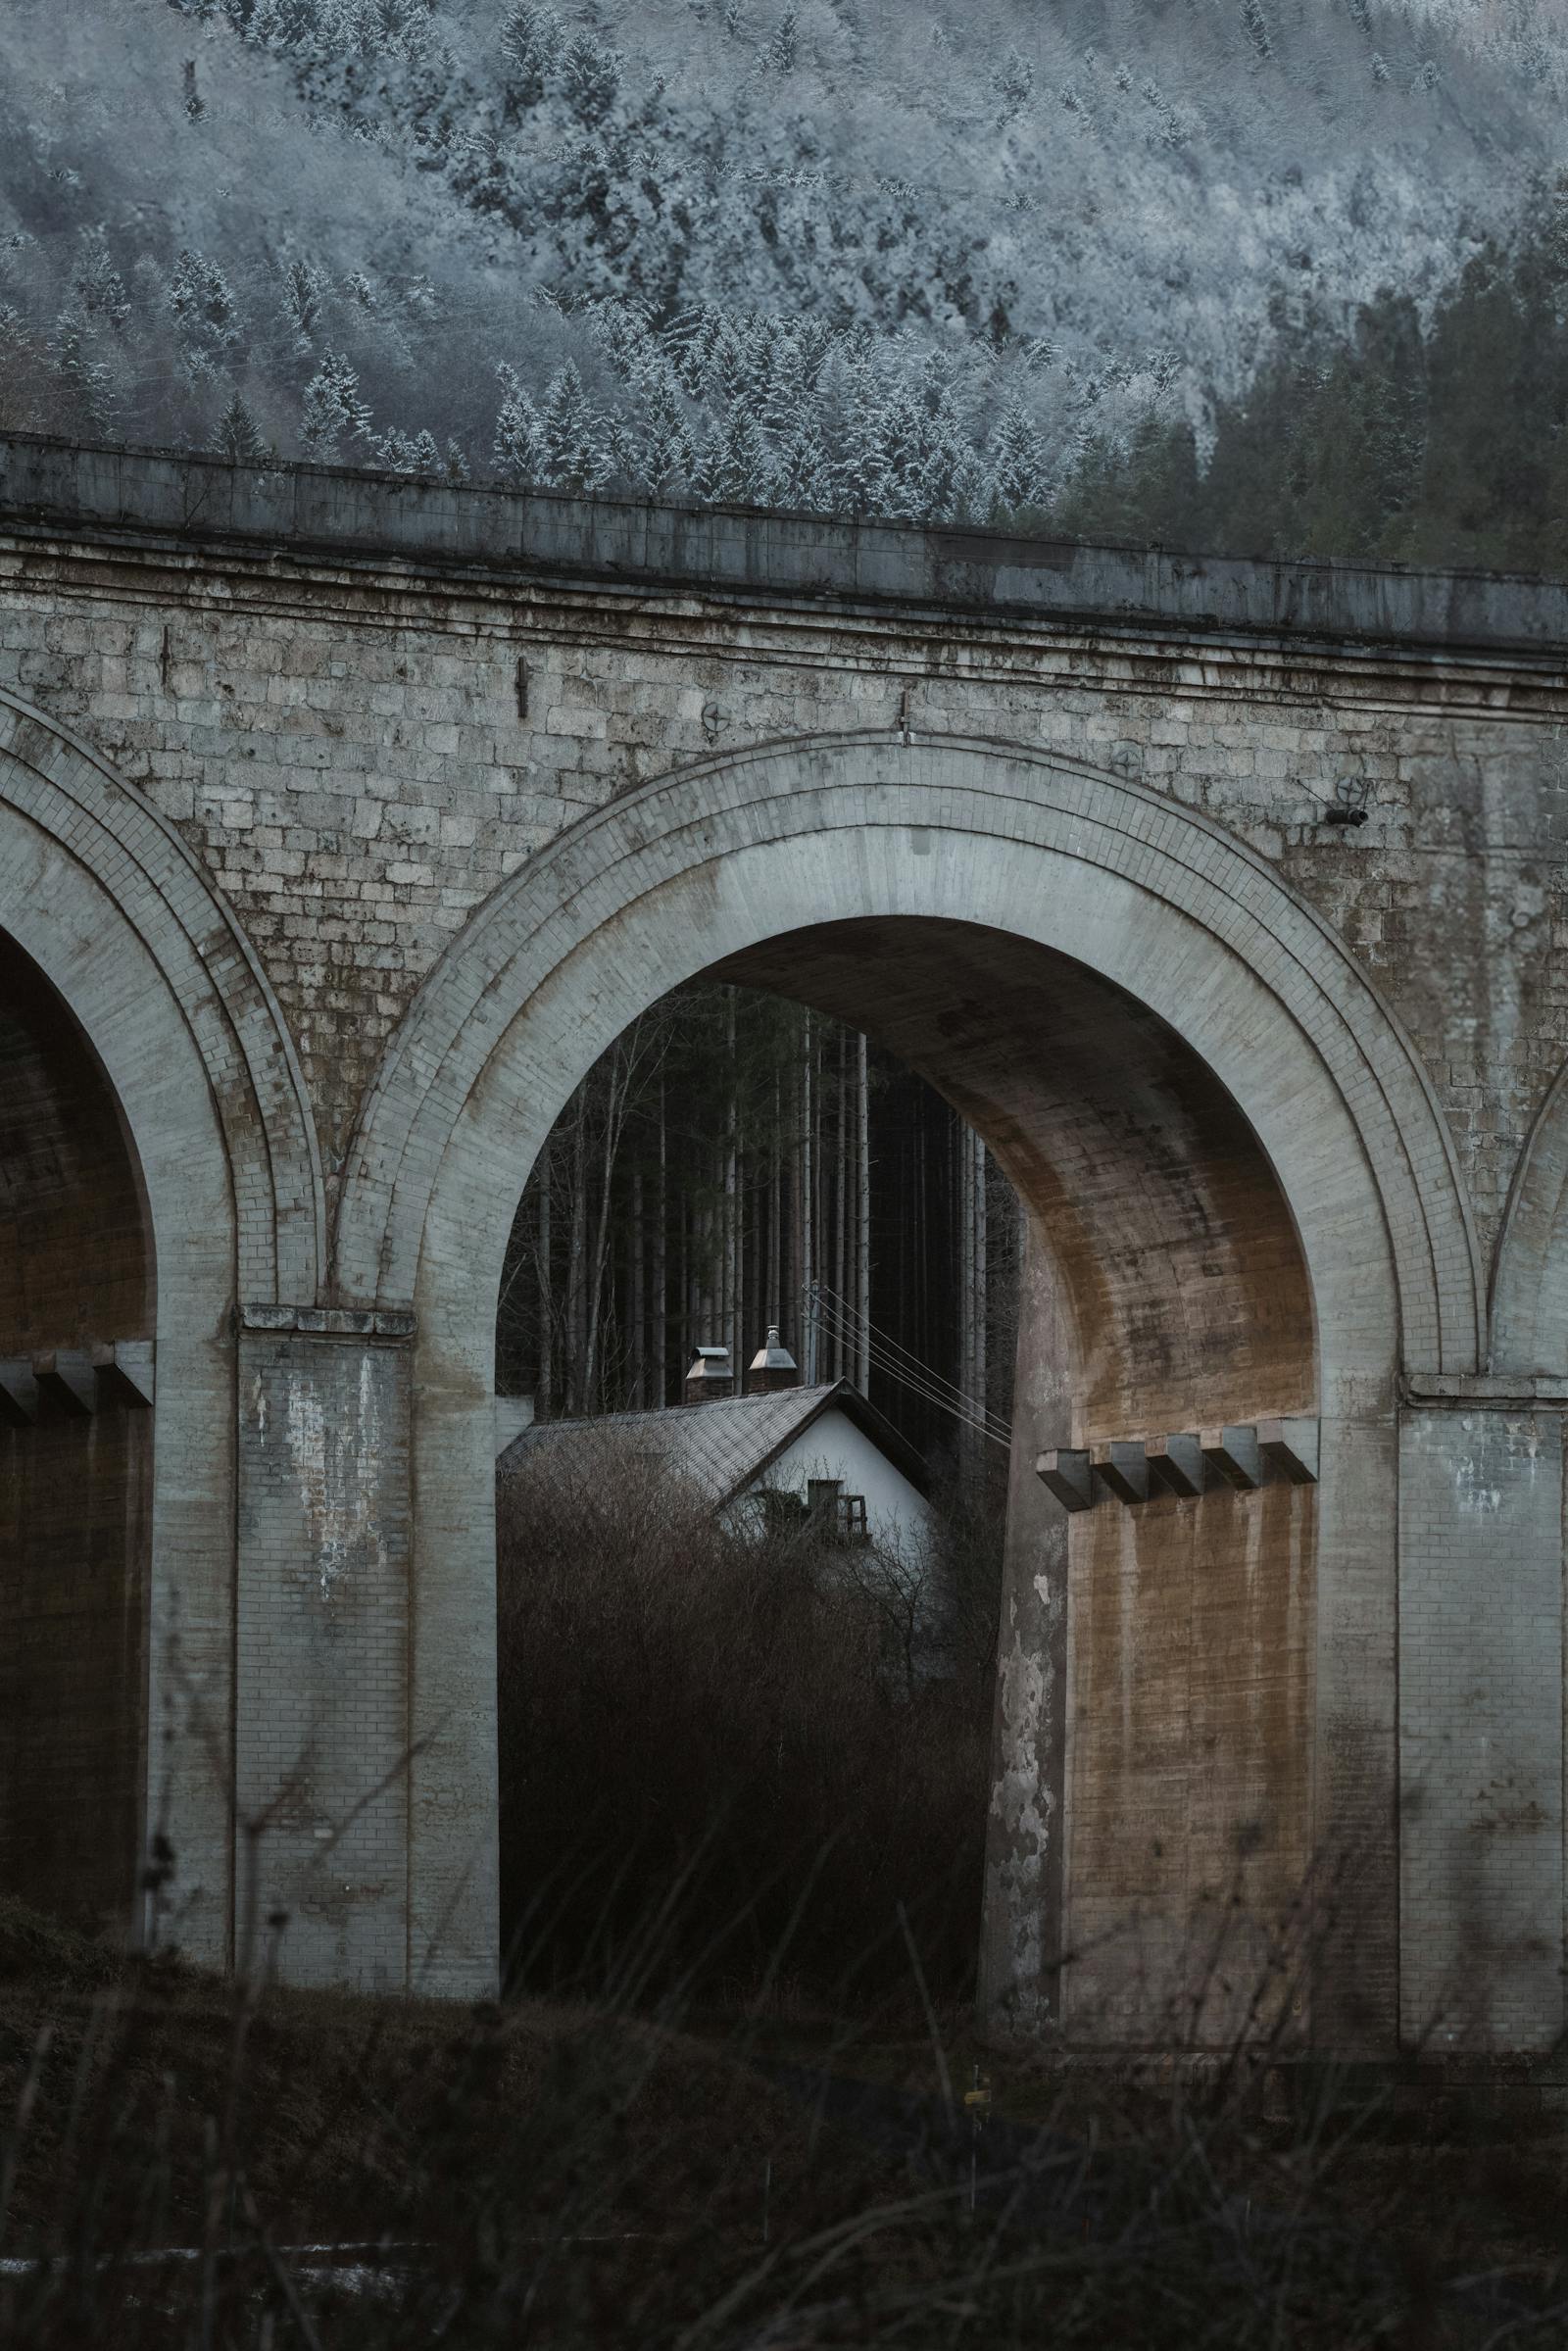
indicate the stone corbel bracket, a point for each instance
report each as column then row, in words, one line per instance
column 1240, row 1456
column 77, row 1382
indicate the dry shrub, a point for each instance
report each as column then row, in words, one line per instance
column 715, row 1767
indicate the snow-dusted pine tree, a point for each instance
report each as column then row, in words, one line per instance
column 304, row 287
column 238, row 436
column 590, row 80
column 530, row 46
column 784, row 46
column 737, row 468
column 572, row 434
column 520, row 448
column 334, row 413
column 666, row 460
column 1016, row 461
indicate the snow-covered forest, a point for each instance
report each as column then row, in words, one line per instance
column 849, row 255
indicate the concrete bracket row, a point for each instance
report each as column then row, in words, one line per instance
column 77, row 1381
column 1240, row 1456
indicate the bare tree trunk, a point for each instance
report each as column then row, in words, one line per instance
column 547, row 1299
column 732, row 1205
column 660, row 1262
column 618, row 1096
column 687, row 1301
column 981, row 1275
column 807, row 1210
column 841, row 1279
column 577, row 1263
column 637, row 1285
column 862, row 1226
column 775, row 1307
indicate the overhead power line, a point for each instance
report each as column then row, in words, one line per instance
column 906, row 1371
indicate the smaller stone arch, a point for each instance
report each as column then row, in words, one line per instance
column 104, row 901
column 210, row 970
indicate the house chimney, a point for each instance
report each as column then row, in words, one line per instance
column 772, row 1366
column 709, row 1377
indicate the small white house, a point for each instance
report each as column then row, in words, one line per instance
column 781, row 1450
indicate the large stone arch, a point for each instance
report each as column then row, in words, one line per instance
column 102, row 897
column 1157, row 905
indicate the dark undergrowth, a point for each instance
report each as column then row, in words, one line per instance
column 725, row 2104
column 777, row 1748
column 196, row 2165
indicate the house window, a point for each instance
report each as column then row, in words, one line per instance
column 852, row 1526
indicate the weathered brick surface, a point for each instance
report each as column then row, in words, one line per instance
column 354, row 759
column 1481, row 1726
column 322, row 1738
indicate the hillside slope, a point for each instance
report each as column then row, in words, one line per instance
column 841, row 253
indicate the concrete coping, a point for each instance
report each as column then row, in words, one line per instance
column 382, row 1324
column 260, row 514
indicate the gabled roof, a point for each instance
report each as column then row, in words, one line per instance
column 722, row 1446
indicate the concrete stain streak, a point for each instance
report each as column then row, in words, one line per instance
column 337, row 1468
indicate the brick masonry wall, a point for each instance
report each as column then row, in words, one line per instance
column 322, row 1655
column 1481, row 1728
column 360, row 758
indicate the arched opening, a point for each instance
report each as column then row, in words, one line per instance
column 1154, row 1815
column 790, row 1595
column 76, row 1306
column 1293, row 1095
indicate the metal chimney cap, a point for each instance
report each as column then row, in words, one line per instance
column 773, row 1354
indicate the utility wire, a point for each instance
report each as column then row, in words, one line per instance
column 914, row 1376
column 892, row 1346
column 849, row 1320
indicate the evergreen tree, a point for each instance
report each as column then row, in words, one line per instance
column 736, row 467
column 782, row 48
column 83, row 381
column 1016, row 461
column 572, row 434
column 202, row 302
column 304, row 287
column 238, row 436
column 97, row 283
column 520, row 449
column 590, row 80
column 334, row 411
column 530, row 45
column 455, row 464
column 666, row 460
column 802, row 475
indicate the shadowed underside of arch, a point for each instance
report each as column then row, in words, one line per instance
column 1175, row 1251
column 1248, row 1192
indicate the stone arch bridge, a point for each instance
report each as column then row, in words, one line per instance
column 344, row 821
